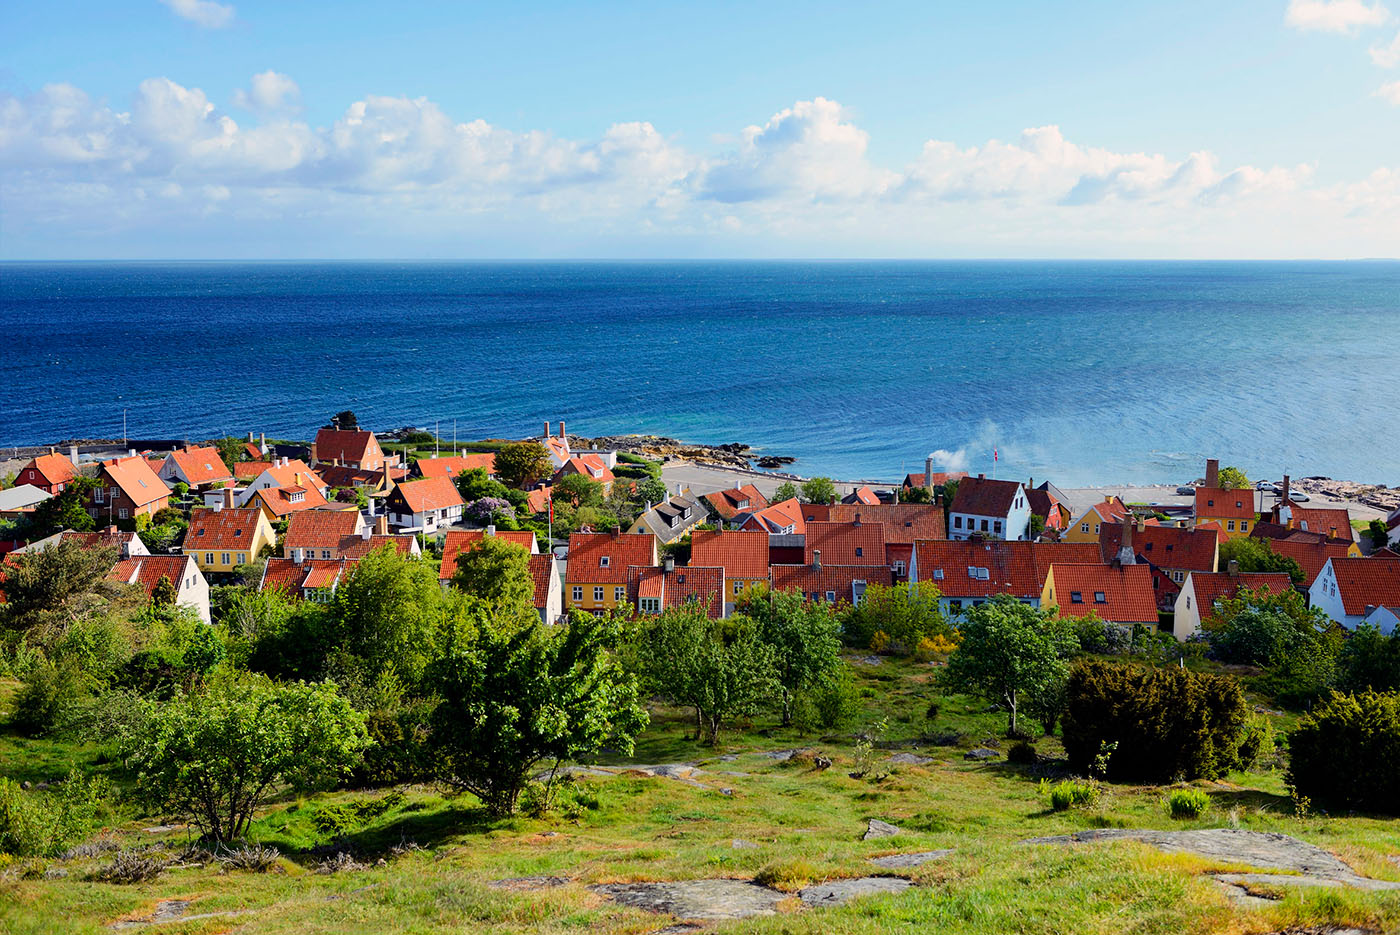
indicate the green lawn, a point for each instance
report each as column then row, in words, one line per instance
column 439, row 853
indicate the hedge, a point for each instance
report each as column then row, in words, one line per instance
column 1347, row 752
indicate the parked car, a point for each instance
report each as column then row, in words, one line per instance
column 1186, row 490
column 1266, row 486
column 1297, row 496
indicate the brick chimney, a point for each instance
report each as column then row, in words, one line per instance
column 546, row 428
column 1212, row 472
column 1283, row 494
column 615, row 531
column 1126, row 554
column 381, row 525
column 928, row 473
column 1233, row 569
column 857, row 519
column 229, row 493
column 981, row 476
column 562, row 432
column 817, row 559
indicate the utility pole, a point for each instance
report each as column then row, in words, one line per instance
column 454, row 438
column 124, row 439
column 437, row 430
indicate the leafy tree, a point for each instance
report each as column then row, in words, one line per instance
column 65, row 511
column 719, row 667
column 579, row 490
column 53, row 586
column 345, row 421
column 915, row 495
column 950, row 492
column 1010, row 650
column 1369, row 661
column 498, row 572
column 1256, row 555
column 1257, row 627
column 905, row 613
column 619, row 502
column 652, row 489
column 818, row 490
column 513, row 697
column 1037, row 525
column 230, row 450
column 1232, row 478
column 521, row 464
column 1346, row 752
column 385, row 612
column 1378, row 534
column 163, row 594
column 786, row 491
column 474, row 484
column 217, row 754
column 803, row 636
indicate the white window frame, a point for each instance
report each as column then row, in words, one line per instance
column 578, row 592
column 598, row 593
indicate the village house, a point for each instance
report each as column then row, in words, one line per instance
column 424, row 505
column 1049, row 503
column 779, row 519
column 191, row 588
column 50, row 472
column 904, row 524
column 126, row 489
column 930, row 479
column 595, row 578
column 1352, row 591
column 457, row 541
column 220, row 539
column 354, row 449
column 17, row 502
column 197, row 468
column 742, row 498
column 1088, row 526
column 589, row 465
column 1232, row 509
column 127, row 544
column 303, row 578
column 255, row 450
column 287, row 472
column 1115, row 593
column 652, row 590
column 995, row 509
column 1203, row 591
column 841, row 585
column 862, row 496
column 371, row 483
column 331, row 535
column 970, row 572
column 1312, row 551
column 853, row 543
column 1332, row 522
column 743, row 555
column 453, row 465
column 671, row 519
column 1170, row 552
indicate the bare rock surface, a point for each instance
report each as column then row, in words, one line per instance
column 521, row 884
column 697, row 899
column 906, row 861
column 840, row 892
column 910, row 759
column 879, row 829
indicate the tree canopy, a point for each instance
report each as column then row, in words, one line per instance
column 497, row 571
column 818, row 490
column 520, row 464
column 803, row 636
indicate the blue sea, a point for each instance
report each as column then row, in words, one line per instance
column 1079, row 372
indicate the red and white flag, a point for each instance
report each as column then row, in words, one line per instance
column 994, row 454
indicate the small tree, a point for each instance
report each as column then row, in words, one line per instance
column 1257, row 555
column 652, row 489
column 474, row 484
column 1378, row 534
column 905, row 613
column 65, row 511
column 1369, row 661
column 53, row 586
column 787, row 490
column 345, row 421
column 1008, row 650
column 384, row 614
column 216, row 755
column 514, row 697
column 818, row 490
column 521, row 464
column 163, row 594
column 915, row 495
column 802, row 636
column 579, row 490
column 1232, row 478
column 497, row 571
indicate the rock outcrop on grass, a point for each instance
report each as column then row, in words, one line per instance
column 879, row 829
column 908, row 861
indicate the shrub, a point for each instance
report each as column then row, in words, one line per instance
column 1347, row 752
column 252, row 857
column 1096, row 636
column 788, row 876
column 41, row 824
column 1070, row 794
column 130, row 867
column 879, row 641
column 1188, row 803
column 1258, row 741
column 48, row 695
column 828, row 704
column 1021, row 752
column 338, row 820
column 1160, row 724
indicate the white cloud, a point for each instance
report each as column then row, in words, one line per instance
column 802, row 182
column 1341, row 16
column 205, row 13
column 269, row 92
column 1389, row 93
column 1387, row 56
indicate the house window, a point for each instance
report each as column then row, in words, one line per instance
column 604, row 561
column 1084, row 528
column 938, row 574
column 598, row 593
column 114, row 493
column 31, row 475
column 1230, row 525
column 957, row 522
column 859, row 551
column 1096, row 529
column 738, row 587
column 121, row 514
column 1076, row 597
column 1244, row 525
column 619, row 594
column 97, row 494
column 208, row 558
column 996, row 527
column 956, row 605
column 831, row 597
column 1100, row 598
column 225, row 559
column 899, row 568
column 651, row 605
column 1188, row 602
column 326, row 553
column 578, row 592
column 984, row 525
column 1210, row 503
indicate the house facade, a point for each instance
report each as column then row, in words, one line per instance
column 191, row 588
column 1202, row 592
column 126, row 489
column 196, row 468
column 350, row 449
column 993, row 509
column 595, row 578
column 743, row 555
column 219, row 539
column 424, row 505
column 1350, row 590
column 50, row 472
column 970, row 572
column 1115, row 593
column 670, row 520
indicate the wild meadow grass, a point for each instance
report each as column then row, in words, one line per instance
column 422, row 861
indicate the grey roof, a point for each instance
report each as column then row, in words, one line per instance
column 667, row 521
column 17, row 498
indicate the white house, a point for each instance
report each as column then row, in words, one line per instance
column 424, row 505
column 994, row 509
column 1203, row 590
column 1352, row 591
column 191, row 588
column 284, row 472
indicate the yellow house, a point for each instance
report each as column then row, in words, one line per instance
column 221, row 538
column 1085, row 528
column 1231, row 510
column 595, row 578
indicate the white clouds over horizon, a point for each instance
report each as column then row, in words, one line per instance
column 802, row 181
column 205, row 13
column 1337, row 16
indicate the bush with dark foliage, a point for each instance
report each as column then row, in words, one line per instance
column 1347, row 752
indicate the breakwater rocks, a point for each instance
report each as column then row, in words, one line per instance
column 1377, row 496
column 732, row 454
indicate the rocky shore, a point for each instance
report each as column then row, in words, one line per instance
column 1377, row 496
column 732, row 454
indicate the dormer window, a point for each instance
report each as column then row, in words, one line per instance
column 1099, row 598
column 1076, row 597
column 938, row 574
column 604, row 561
column 296, row 496
column 859, row 551
column 237, row 533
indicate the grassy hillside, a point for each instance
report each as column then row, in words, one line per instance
column 426, row 863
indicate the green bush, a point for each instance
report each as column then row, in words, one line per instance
column 1162, row 725
column 1188, row 803
column 338, row 820
column 1070, row 794
column 41, row 824
column 829, row 704
column 1346, row 753
column 46, row 698
column 1021, row 752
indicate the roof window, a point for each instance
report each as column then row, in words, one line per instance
column 1076, row 597
column 604, row 561
column 1099, row 598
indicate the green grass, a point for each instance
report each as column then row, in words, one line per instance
column 806, row 822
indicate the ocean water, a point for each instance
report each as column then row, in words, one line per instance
column 1080, row 372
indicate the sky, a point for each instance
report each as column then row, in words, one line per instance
column 196, row 129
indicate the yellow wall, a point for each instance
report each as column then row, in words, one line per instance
column 1230, row 528
column 614, row 595
column 1075, row 531
column 262, row 536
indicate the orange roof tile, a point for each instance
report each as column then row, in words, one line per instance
column 136, row 480
column 1120, row 594
column 430, row 493
column 939, row 478
column 201, row 465
column 903, row 522
column 984, row 496
column 453, row 465
column 603, row 558
column 1011, row 567
column 1367, row 582
column 740, row 499
column 840, row 581
column 282, row 501
column 1218, row 503
column 1334, row 523
column 541, row 567
column 249, row 470
column 1310, row 554
column 232, row 529
column 320, row 529
column 1210, row 587
column 53, row 468
column 679, row 587
column 147, row 570
column 780, row 517
column 742, row 555
column 862, row 495
column 1164, row 546
column 345, row 446
column 846, row 543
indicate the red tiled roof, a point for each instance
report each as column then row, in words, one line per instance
column 679, row 586
column 1013, row 567
column 778, row 517
column 136, row 479
column 591, row 466
column 1126, row 589
column 1044, row 505
column 1109, row 510
column 453, row 465
column 861, row 495
column 742, row 555
column 1310, row 554
column 54, row 469
column 201, row 465
column 288, row 575
column 253, row 452
column 459, row 540
column 231, row 529
column 1334, row 523
column 839, row 580
column 431, row 493
column 147, row 570
column 1222, row 586
column 846, row 543
column 320, row 529
column 985, row 497
column 939, row 478
column 249, row 470
column 538, row 499
column 357, row 547
column 342, row 476
column 294, row 473
column 540, row 568
column 1164, row 546
column 345, row 446
column 903, row 522
column 587, row 550
column 280, row 502
column 730, row 503
column 1367, row 582
column 1218, row 503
